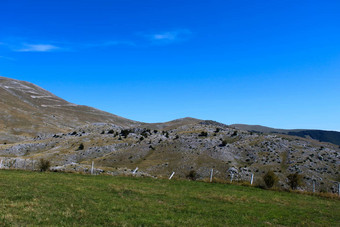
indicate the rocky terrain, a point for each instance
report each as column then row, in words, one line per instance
column 72, row 137
column 27, row 110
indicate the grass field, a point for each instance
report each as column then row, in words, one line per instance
column 32, row 198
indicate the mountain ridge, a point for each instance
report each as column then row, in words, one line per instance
column 317, row 134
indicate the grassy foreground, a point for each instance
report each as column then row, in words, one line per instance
column 32, row 198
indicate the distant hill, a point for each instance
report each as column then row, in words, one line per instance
column 321, row 135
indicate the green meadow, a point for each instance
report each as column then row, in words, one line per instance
column 66, row 199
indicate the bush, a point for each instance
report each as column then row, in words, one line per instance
column 294, row 180
column 192, row 175
column 125, row 133
column 203, row 134
column 44, row 165
column 81, row 147
column 270, row 179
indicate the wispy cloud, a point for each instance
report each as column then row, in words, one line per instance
column 170, row 36
column 37, row 48
column 7, row 58
column 19, row 44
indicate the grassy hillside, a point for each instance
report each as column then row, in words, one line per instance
column 70, row 199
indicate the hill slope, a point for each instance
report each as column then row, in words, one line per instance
column 27, row 110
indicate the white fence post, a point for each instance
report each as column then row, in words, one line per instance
column 173, row 173
column 231, row 178
column 252, row 179
column 211, row 174
column 135, row 171
column 314, row 186
column 92, row 167
column 1, row 164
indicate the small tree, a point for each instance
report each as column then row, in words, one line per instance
column 44, row 165
column 192, row 175
column 270, row 179
column 294, row 180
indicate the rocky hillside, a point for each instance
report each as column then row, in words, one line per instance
column 36, row 124
column 27, row 110
column 196, row 147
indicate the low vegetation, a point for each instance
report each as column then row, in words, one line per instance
column 60, row 199
column 44, row 165
column 270, row 179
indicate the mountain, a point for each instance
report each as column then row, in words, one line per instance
column 36, row 124
column 27, row 110
column 321, row 135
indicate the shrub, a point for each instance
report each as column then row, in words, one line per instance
column 81, row 147
column 125, row 133
column 44, row 165
column 192, row 175
column 144, row 134
column 203, row 134
column 270, row 179
column 294, row 180
column 234, row 134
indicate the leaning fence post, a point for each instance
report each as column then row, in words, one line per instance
column 173, row 173
column 252, row 179
column 211, row 174
column 135, row 171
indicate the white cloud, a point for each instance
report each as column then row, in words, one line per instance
column 170, row 36
column 37, row 48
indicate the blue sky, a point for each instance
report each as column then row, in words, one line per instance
column 273, row 63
